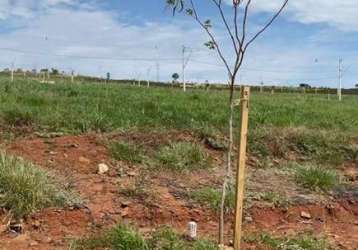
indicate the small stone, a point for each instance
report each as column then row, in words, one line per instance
column 102, row 168
column 125, row 212
column 125, row 203
column 48, row 240
column 84, row 160
column 249, row 219
column 132, row 174
column 33, row 243
column 306, row 215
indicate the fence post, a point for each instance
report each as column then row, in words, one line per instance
column 241, row 165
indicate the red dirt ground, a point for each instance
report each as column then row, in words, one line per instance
column 76, row 157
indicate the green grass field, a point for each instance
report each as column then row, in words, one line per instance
column 97, row 107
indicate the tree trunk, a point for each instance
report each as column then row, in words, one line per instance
column 228, row 171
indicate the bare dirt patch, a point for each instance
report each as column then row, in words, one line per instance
column 77, row 157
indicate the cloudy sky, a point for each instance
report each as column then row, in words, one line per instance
column 129, row 38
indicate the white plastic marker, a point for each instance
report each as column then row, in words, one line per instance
column 192, row 228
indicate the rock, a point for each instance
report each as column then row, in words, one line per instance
column 125, row 212
column 249, row 219
column 84, row 160
column 214, row 144
column 33, row 243
column 125, row 203
column 132, row 174
column 306, row 215
column 102, row 168
column 16, row 227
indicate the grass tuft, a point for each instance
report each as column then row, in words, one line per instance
column 126, row 152
column 316, row 178
column 212, row 197
column 120, row 237
column 300, row 242
column 18, row 118
column 276, row 199
column 183, row 156
column 25, row 188
column 125, row 238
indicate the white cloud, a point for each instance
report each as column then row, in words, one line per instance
column 27, row 8
column 338, row 13
column 88, row 37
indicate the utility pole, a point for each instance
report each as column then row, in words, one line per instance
column 185, row 61
column 72, row 76
column 183, row 68
column 148, row 73
column 339, row 91
column 12, row 72
column 157, row 64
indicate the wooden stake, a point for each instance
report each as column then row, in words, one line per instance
column 241, row 165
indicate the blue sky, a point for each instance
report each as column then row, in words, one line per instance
column 128, row 38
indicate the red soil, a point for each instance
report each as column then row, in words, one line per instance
column 77, row 157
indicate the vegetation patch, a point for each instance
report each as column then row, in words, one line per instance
column 25, row 188
column 125, row 238
column 17, row 118
column 276, row 199
column 183, row 156
column 307, row 145
column 211, row 197
column 304, row 241
column 126, row 152
column 141, row 189
column 316, row 178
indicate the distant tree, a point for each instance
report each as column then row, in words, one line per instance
column 55, row 71
column 356, row 85
column 238, row 35
column 175, row 77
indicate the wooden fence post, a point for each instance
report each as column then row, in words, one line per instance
column 241, row 165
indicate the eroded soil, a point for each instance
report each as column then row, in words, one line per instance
column 76, row 158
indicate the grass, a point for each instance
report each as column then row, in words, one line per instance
column 91, row 107
column 25, row 188
column 211, row 197
column 123, row 237
column 305, row 241
column 276, row 199
column 311, row 126
column 320, row 146
column 141, row 189
column 16, row 117
column 183, row 156
column 316, row 178
column 126, row 152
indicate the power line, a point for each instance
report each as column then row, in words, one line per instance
column 88, row 57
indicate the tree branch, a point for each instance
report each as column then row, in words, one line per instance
column 218, row 4
column 221, row 55
column 267, row 25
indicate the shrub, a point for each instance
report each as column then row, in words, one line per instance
column 183, row 156
column 314, row 178
column 25, row 188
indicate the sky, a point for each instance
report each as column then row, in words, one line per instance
column 140, row 39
